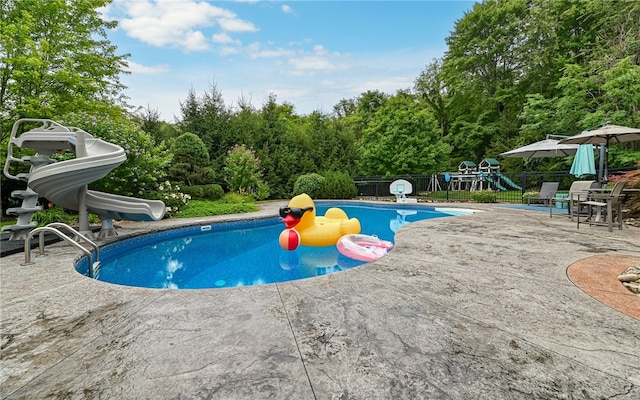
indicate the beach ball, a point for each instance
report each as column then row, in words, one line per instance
column 289, row 239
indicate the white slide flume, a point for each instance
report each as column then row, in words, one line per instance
column 64, row 183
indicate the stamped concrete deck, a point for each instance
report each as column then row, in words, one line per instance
column 477, row 306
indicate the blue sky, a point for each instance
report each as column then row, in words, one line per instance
column 308, row 53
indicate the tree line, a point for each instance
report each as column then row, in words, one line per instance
column 514, row 71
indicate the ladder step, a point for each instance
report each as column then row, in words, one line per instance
column 22, row 210
column 23, row 176
column 12, row 228
column 21, row 194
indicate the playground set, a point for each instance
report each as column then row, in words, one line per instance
column 485, row 176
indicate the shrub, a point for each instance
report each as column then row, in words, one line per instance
column 310, row 184
column 190, row 160
column 196, row 192
column 234, row 198
column 53, row 214
column 212, row 191
column 338, row 185
column 173, row 199
column 484, row 196
column 199, row 208
column 528, row 195
column 242, row 169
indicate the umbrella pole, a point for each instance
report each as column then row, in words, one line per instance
column 601, row 164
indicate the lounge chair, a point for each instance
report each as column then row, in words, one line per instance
column 547, row 193
column 401, row 189
column 600, row 200
column 579, row 190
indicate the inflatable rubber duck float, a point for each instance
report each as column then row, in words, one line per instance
column 304, row 227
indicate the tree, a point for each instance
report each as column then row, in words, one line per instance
column 404, row 138
column 432, row 89
column 55, row 58
column 483, row 71
column 190, row 161
column 242, row 170
column 278, row 145
column 161, row 131
column 209, row 118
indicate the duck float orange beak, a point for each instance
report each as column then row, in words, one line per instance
column 302, row 226
column 291, row 215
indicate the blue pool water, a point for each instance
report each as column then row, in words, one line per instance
column 240, row 253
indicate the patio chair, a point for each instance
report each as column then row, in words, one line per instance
column 547, row 193
column 579, row 190
column 610, row 200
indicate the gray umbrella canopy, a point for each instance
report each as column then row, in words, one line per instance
column 605, row 134
column 543, row 148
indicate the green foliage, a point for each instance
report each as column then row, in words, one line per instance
column 201, row 208
column 160, row 131
column 190, row 160
column 144, row 168
column 173, row 198
column 337, row 185
column 242, row 170
column 310, row 184
column 530, row 195
column 261, row 193
column 209, row 118
column 53, row 214
column 196, row 191
column 56, row 58
column 212, row 191
column 235, row 198
column 404, row 138
column 484, row 196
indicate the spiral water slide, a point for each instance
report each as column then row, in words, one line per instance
column 64, row 183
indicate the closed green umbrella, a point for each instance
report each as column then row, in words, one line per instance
column 584, row 163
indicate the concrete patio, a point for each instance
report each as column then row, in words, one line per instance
column 476, row 306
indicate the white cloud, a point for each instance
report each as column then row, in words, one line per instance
column 229, row 50
column 136, row 68
column 236, row 25
column 314, row 63
column 224, row 38
column 286, row 9
column 255, row 51
column 176, row 24
column 321, row 60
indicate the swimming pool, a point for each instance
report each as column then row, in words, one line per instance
column 242, row 253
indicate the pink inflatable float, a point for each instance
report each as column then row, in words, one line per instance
column 363, row 247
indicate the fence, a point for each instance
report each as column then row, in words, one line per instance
column 508, row 186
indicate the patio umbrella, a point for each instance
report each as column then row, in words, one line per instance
column 584, row 162
column 606, row 134
column 543, row 148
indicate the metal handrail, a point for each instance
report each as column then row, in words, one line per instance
column 49, row 228
column 77, row 235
